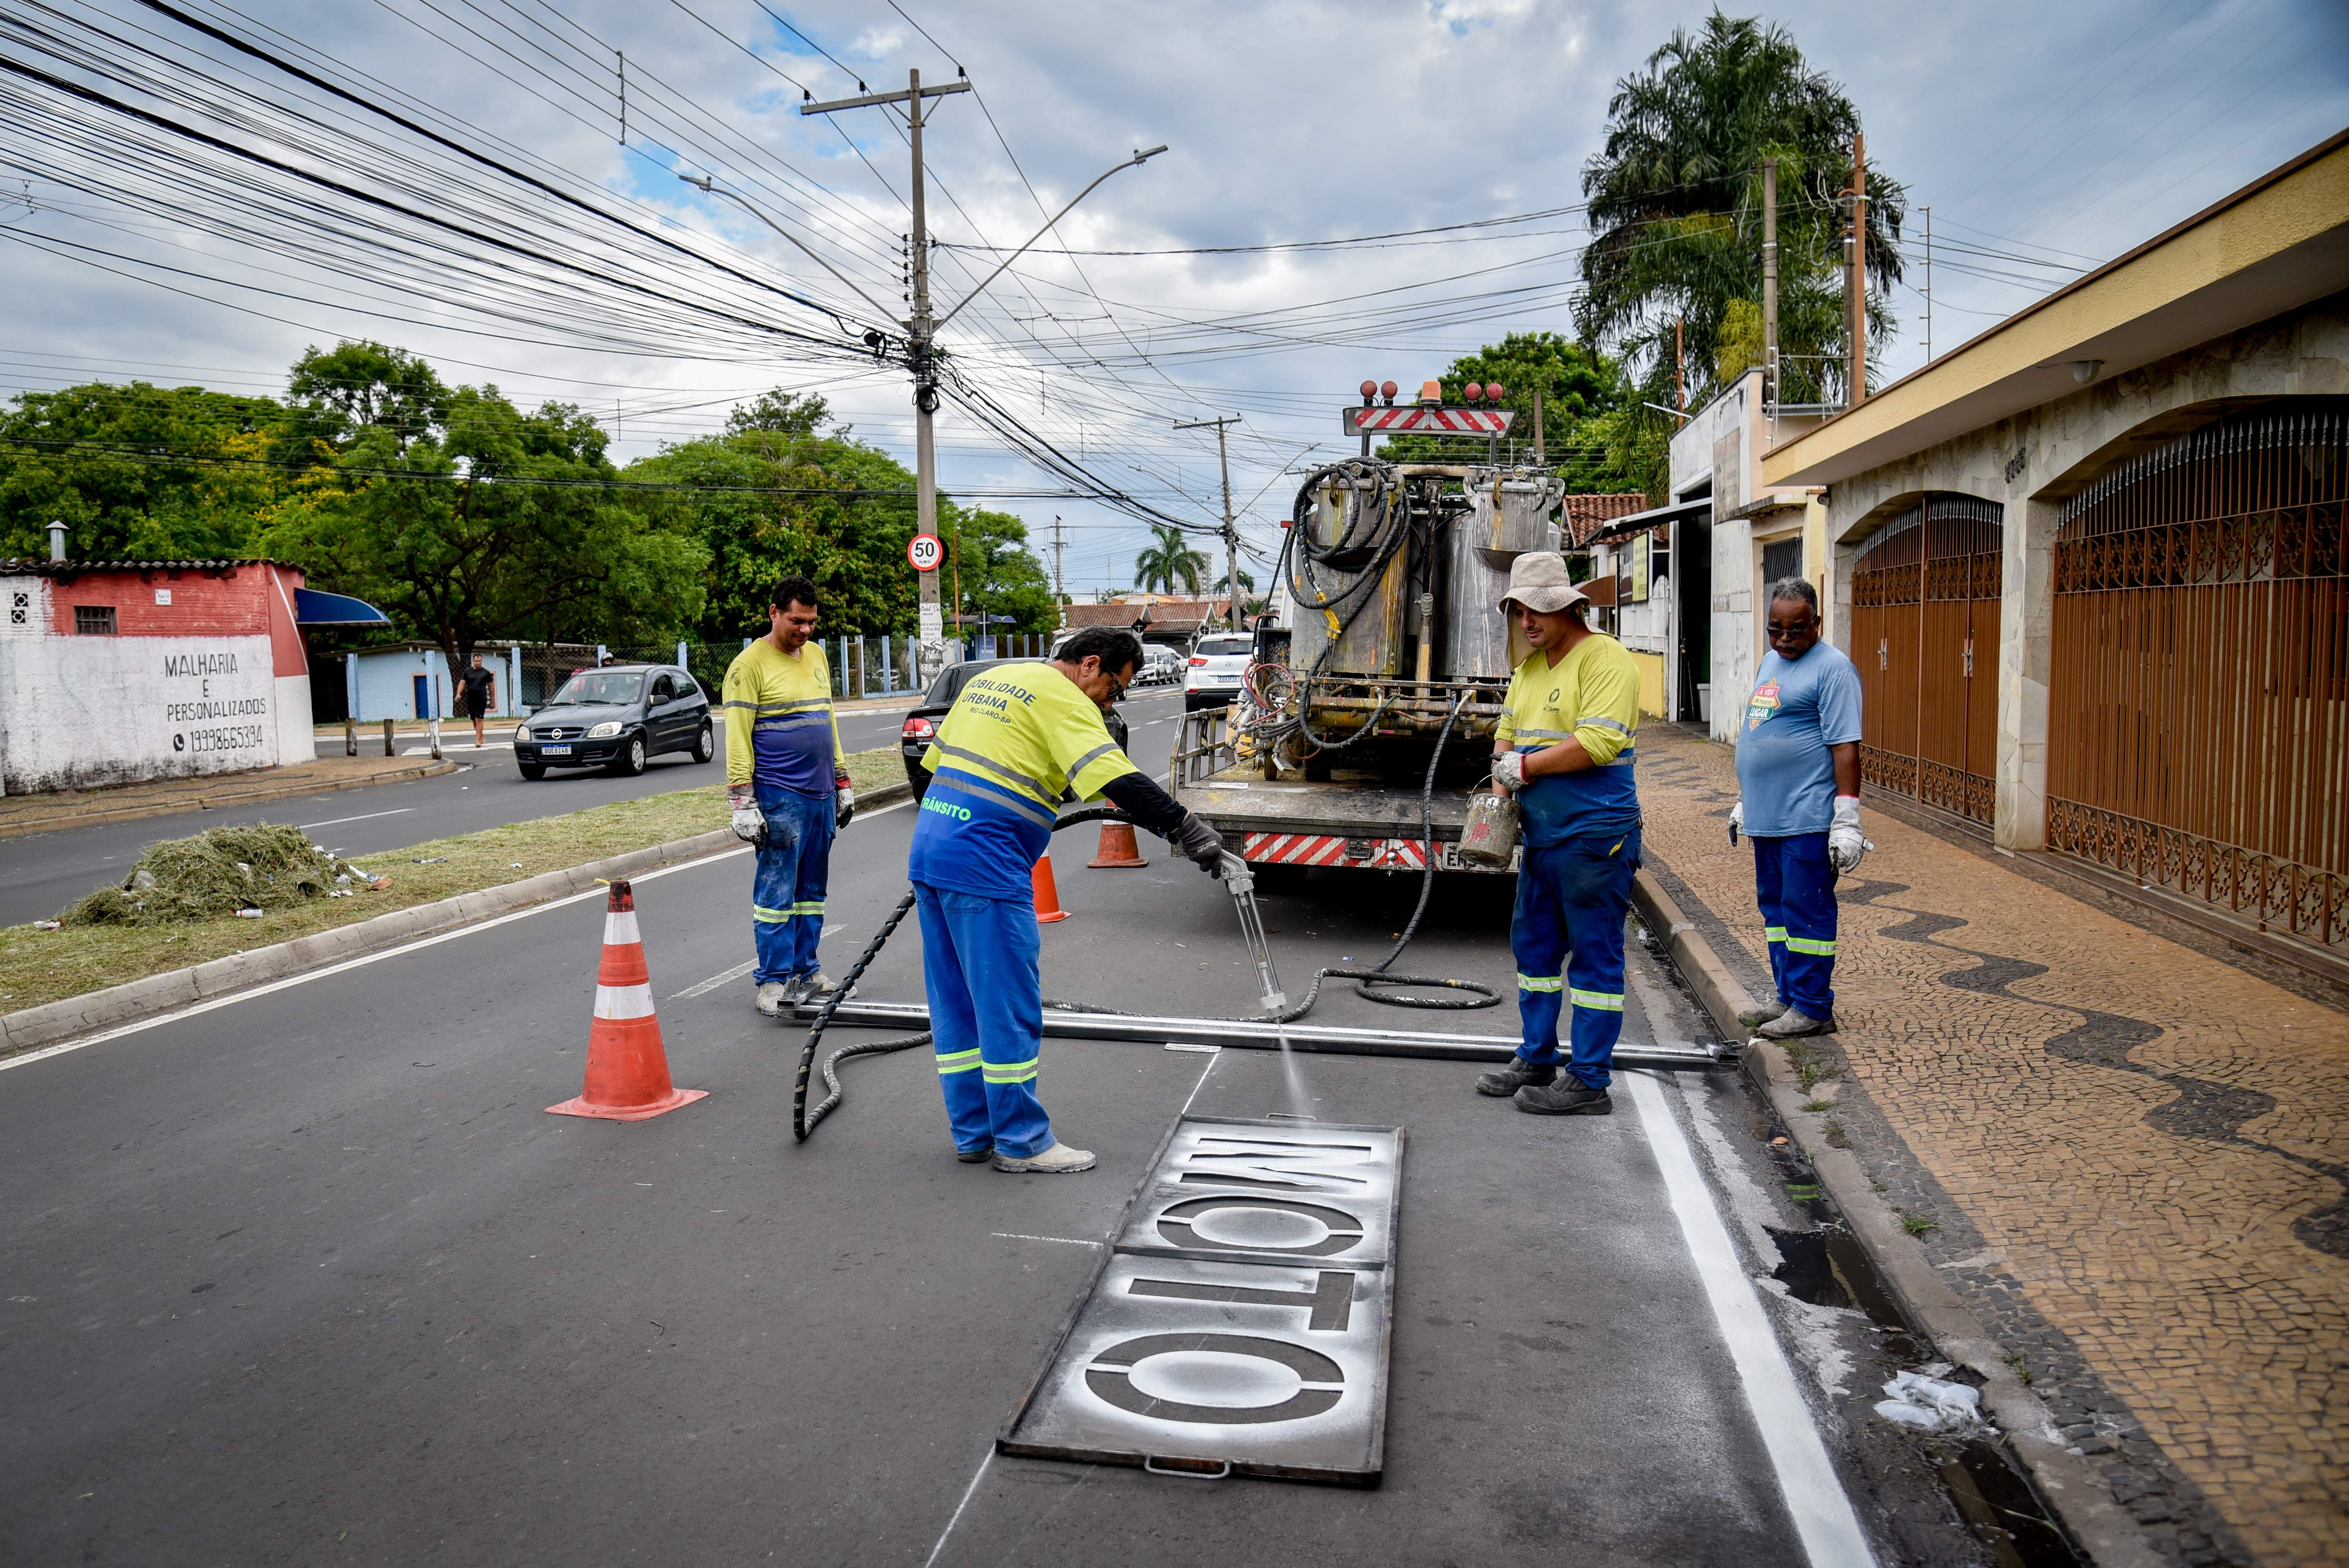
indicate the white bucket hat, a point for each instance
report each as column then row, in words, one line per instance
column 1539, row 581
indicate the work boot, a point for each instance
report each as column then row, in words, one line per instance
column 813, row 990
column 1567, row 1097
column 1793, row 1023
column 1755, row 1018
column 1057, row 1161
column 973, row 1156
column 774, row 998
column 1519, row 1074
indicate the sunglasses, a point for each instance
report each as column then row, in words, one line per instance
column 1779, row 633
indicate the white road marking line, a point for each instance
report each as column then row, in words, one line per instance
column 955, row 1518
column 28, row 1057
column 715, row 981
column 1064, row 1241
column 337, row 821
column 1823, row 1515
column 1200, row 1084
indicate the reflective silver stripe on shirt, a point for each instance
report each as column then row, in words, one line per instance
column 1603, row 723
column 992, row 766
column 1089, row 758
column 1033, row 813
column 1546, row 734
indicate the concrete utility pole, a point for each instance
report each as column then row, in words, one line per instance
column 1770, row 285
column 1231, row 532
column 1059, row 587
column 922, row 329
column 1537, row 427
column 1680, row 364
column 1857, row 392
column 929, row 655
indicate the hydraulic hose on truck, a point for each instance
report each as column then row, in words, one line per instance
column 805, row 1120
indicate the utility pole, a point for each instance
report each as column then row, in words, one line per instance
column 1539, row 460
column 920, row 332
column 1680, row 364
column 1856, row 392
column 1059, row 587
column 1929, row 285
column 1231, row 532
column 1770, row 285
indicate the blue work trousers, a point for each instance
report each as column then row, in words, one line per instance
column 1567, row 936
column 786, row 894
column 1795, row 884
column 987, row 1017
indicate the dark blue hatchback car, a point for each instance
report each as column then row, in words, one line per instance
column 618, row 717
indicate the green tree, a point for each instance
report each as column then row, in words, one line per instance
column 333, row 393
column 126, row 468
column 783, row 498
column 1578, row 386
column 1169, row 562
column 492, row 523
column 1675, row 202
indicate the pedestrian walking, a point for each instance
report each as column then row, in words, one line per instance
column 1798, row 800
column 1018, row 738
column 1564, row 747
column 788, row 790
column 473, row 696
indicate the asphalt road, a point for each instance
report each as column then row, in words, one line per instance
column 312, row 1278
column 41, row 874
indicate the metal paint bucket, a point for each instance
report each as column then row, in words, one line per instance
column 1488, row 838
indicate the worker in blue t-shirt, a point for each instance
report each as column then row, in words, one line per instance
column 1563, row 747
column 1798, row 800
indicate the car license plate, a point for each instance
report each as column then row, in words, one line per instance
column 554, row 750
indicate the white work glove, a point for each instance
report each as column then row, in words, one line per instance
column 1201, row 842
column 1509, row 770
column 1845, row 844
column 1736, row 821
column 844, row 804
column 749, row 823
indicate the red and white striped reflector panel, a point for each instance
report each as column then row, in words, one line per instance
column 1328, row 850
column 1430, row 421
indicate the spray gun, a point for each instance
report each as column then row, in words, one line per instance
column 1241, row 882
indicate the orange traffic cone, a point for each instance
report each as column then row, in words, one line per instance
column 1048, row 893
column 628, row 1069
column 1117, row 847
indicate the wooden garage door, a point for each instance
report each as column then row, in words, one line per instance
column 1925, row 612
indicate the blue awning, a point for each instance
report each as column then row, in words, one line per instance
column 312, row 608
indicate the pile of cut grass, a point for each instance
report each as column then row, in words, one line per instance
column 217, row 872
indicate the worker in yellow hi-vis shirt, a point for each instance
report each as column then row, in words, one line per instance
column 1564, row 749
column 1018, row 737
column 788, row 792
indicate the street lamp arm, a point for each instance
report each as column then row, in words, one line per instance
column 710, row 188
column 1137, row 162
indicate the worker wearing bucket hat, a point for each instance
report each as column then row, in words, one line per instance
column 1564, row 748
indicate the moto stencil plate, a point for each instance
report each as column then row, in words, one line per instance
column 1240, row 1325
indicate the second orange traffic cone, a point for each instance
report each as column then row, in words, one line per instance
column 627, row 1067
column 1117, row 847
column 1048, row 893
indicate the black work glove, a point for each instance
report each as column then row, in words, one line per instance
column 1201, row 842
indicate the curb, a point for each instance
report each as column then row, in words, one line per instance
column 2069, row 1484
column 53, row 1022
column 233, row 797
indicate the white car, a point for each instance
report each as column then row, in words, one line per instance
column 1161, row 666
column 1217, row 660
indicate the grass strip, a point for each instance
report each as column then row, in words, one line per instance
column 39, row 967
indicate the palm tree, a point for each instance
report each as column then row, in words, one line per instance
column 1675, row 204
column 1167, row 562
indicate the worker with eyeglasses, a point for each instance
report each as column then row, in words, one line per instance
column 1018, row 739
column 1798, row 800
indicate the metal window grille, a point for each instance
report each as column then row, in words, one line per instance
column 94, row 620
column 1925, row 617
column 2198, row 722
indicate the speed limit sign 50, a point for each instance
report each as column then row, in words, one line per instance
column 924, row 552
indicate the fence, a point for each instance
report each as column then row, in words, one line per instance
column 862, row 665
column 2199, row 708
column 1924, row 620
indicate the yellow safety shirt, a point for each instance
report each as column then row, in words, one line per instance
column 779, row 729
column 1592, row 695
column 1017, row 739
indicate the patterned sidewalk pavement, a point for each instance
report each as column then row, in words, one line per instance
column 2136, row 1155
